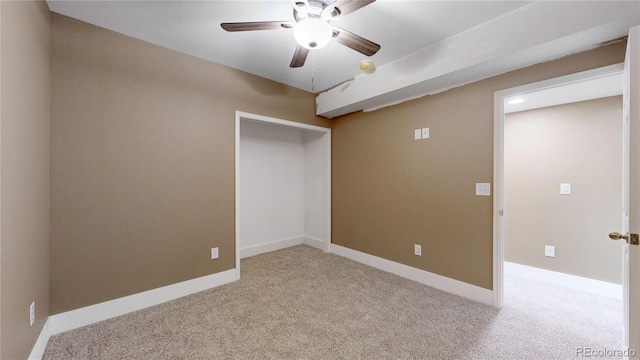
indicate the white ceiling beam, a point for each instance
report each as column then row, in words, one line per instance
column 534, row 33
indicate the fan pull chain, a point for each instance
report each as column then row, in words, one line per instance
column 313, row 66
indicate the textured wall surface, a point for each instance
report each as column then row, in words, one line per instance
column 143, row 162
column 391, row 192
column 24, row 173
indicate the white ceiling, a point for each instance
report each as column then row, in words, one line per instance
column 193, row 27
column 426, row 46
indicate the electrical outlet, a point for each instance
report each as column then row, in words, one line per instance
column 549, row 251
column 483, row 189
column 32, row 313
column 214, row 253
column 417, row 250
column 417, row 134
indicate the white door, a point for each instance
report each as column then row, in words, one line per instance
column 631, row 195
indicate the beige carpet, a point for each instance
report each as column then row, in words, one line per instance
column 300, row 303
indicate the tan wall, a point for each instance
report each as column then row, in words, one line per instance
column 390, row 192
column 24, row 169
column 143, row 162
column 576, row 143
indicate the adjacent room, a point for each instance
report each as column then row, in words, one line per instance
column 562, row 154
column 297, row 179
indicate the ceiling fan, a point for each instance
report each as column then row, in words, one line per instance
column 311, row 28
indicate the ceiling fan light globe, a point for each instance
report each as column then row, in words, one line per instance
column 312, row 33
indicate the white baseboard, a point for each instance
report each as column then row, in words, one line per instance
column 109, row 309
column 440, row 282
column 41, row 344
column 313, row 242
column 254, row 250
column 591, row 286
column 74, row 319
column 271, row 246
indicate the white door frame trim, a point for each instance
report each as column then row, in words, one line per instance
column 498, row 161
column 326, row 137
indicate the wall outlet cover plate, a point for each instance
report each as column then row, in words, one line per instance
column 549, row 251
column 483, row 189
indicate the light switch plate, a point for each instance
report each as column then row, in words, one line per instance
column 483, row 189
column 425, row 133
column 214, row 253
column 417, row 134
column 565, row 189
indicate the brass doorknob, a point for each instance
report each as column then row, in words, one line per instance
column 618, row 236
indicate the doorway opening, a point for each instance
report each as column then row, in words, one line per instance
column 544, row 241
column 555, row 87
column 283, row 185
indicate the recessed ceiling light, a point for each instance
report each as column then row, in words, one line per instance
column 515, row 101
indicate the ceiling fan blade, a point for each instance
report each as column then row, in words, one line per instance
column 260, row 25
column 348, row 6
column 299, row 57
column 355, row 42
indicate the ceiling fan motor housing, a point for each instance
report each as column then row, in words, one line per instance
column 315, row 9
